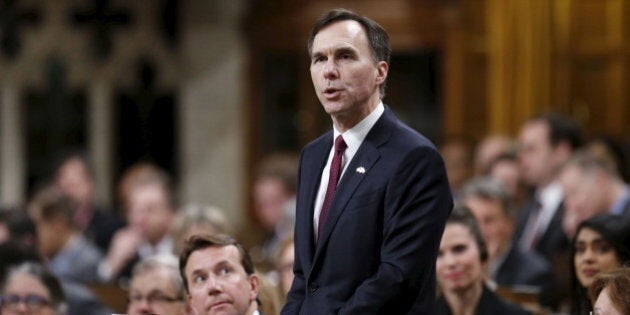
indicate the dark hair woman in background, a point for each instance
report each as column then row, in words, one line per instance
column 459, row 270
column 601, row 244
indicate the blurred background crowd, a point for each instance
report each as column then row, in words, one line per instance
column 127, row 127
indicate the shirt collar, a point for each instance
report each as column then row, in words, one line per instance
column 355, row 135
column 550, row 195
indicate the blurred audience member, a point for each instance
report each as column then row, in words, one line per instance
column 69, row 255
column 284, row 264
column 30, row 278
column 612, row 153
column 75, row 178
column 457, row 155
column 197, row 219
column 507, row 264
column 268, row 296
column 274, row 200
column 30, row 289
column 601, row 244
column 592, row 186
column 506, row 170
column 546, row 142
column 138, row 172
column 489, row 148
column 4, row 225
column 13, row 254
column 156, row 287
column 609, row 292
column 18, row 226
column 150, row 215
column 459, row 270
column 219, row 276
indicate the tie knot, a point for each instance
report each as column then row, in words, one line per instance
column 340, row 144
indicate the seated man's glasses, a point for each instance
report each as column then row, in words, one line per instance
column 33, row 302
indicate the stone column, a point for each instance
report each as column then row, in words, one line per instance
column 12, row 149
column 211, row 112
column 100, row 139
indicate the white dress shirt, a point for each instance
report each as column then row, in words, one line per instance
column 550, row 199
column 354, row 138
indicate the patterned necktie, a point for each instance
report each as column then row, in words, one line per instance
column 333, row 179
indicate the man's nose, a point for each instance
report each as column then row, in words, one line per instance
column 330, row 69
column 214, row 286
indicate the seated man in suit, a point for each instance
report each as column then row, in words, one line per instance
column 219, row 276
column 69, row 255
column 156, row 287
column 591, row 187
column 74, row 176
column 150, row 216
column 507, row 264
column 546, row 142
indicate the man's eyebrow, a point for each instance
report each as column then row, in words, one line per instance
column 224, row 263
column 336, row 50
column 345, row 49
column 316, row 54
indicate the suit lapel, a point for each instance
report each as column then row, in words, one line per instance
column 313, row 172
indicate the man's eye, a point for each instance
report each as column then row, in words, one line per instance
column 224, row 271
column 199, row 279
column 318, row 59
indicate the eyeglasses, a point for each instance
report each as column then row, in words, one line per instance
column 33, row 302
column 153, row 299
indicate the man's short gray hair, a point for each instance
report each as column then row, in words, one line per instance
column 166, row 261
column 489, row 189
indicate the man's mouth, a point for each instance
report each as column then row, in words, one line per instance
column 331, row 92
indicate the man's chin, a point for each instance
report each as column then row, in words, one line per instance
column 221, row 308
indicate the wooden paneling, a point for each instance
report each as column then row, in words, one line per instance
column 501, row 60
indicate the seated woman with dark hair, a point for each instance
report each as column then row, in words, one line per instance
column 30, row 289
column 609, row 292
column 601, row 244
column 460, row 268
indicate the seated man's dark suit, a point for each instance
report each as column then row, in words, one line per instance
column 376, row 252
column 552, row 241
column 553, row 245
column 525, row 269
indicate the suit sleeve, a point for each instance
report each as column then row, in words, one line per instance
column 417, row 203
column 295, row 296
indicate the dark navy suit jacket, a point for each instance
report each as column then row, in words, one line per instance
column 377, row 250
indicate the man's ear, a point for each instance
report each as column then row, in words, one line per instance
column 382, row 68
column 254, row 286
column 563, row 150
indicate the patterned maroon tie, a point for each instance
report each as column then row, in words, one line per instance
column 333, row 179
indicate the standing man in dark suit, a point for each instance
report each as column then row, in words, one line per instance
column 373, row 196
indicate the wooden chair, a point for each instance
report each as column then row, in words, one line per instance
column 111, row 295
column 526, row 296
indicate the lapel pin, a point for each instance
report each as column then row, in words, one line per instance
column 360, row 169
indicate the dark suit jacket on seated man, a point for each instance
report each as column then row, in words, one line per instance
column 370, row 211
